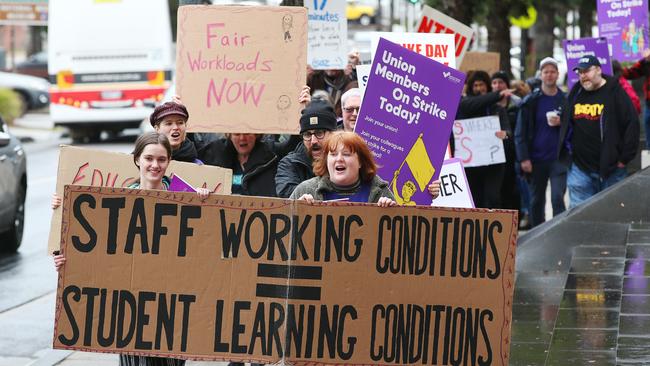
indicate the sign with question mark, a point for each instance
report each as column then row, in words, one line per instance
column 476, row 141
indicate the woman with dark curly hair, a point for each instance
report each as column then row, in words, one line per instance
column 480, row 101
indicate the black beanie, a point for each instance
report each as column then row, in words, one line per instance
column 503, row 76
column 318, row 116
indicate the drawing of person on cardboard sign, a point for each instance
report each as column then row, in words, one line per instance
column 287, row 24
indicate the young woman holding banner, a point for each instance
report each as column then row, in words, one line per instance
column 152, row 154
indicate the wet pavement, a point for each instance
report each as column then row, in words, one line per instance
column 593, row 311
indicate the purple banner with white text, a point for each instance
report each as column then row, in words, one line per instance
column 577, row 48
column 406, row 117
column 625, row 25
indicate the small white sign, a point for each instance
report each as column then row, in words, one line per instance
column 363, row 73
column 454, row 189
column 438, row 47
column 476, row 143
column 328, row 34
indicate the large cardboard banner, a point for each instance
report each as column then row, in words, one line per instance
column 438, row 47
column 240, row 69
column 487, row 61
column 275, row 281
column 576, row 49
column 625, row 25
column 406, row 116
column 110, row 169
column 476, row 143
column 454, row 188
column 328, row 34
column 434, row 21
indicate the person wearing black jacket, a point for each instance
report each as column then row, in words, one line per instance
column 253, row 160
column 316, row 123
column 170, row 119
column 599, row 133
column 485, row 181
column 509, row 190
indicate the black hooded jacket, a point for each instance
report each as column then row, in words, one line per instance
column 186, row 152
column 262, row 164
column 293, row 169
column 620, row 135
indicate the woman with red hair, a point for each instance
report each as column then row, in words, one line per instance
column 348, row 173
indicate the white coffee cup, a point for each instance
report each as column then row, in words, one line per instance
column 549, row 115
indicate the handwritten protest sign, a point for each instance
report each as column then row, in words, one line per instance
column 328, row 34
column 454, row 189
column 476, row 143
column 487, row 61
column 434, row 21
column 406, row 117
column 109, row 169
column 625, row 25
column 240, row 69
column 273, row 281
column 438, row 47
column 575, row 49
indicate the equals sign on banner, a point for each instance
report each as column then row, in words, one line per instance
column 292, row 272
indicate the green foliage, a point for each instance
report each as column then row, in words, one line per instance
column 10, row 105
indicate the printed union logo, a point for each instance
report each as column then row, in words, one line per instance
column 449, row 76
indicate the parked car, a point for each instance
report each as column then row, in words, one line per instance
column 35, row 65
column 34, row 92
column 361, row 12
column 13, row 188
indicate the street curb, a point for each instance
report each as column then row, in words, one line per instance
column 51, row 357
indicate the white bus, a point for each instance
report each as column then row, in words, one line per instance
column 109, row 61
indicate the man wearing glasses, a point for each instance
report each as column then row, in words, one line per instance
column 350, row 103
column 318, row 120
column 599, row 132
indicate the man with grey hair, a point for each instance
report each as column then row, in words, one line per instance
column 350, row 104
column 599, row 132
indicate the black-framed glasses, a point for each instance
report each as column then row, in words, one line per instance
column 352, row 109
column 308, row 134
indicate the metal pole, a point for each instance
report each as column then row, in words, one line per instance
column 522, row 55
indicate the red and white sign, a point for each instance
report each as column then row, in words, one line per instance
column 434, row 21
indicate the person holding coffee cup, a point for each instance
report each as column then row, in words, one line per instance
column 553, row 118
column 537, row 134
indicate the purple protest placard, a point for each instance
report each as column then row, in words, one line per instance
column 179, row 184
column 406, row 117
column 575, row 49
column 625, row 25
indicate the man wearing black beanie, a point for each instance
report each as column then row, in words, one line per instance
column 318, row 120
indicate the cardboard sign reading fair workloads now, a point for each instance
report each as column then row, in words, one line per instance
column 240, row 69
column 264, row 280
column 110, row 169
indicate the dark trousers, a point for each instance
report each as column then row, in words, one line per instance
column 485, row 184
column 542, row 172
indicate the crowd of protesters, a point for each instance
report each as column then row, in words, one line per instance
column 582, row 139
